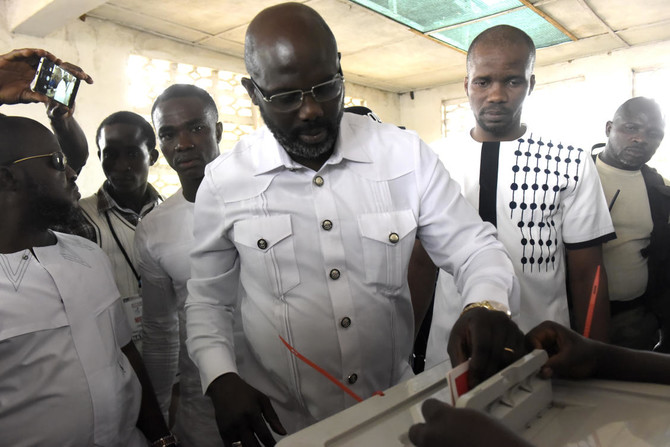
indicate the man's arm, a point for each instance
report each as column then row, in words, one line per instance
column 160, row 320
column 575, row 357
column 458, row 240
column 582, row 265
column 150, row 420
column 17, row 70
column 70, row 135
column 215, row 274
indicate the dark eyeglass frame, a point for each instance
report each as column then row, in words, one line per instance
column 58, row 160
column 338, row 78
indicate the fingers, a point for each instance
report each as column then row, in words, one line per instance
column 271, row 417
column 24, row 54
column 77, row 71
column 417, row 434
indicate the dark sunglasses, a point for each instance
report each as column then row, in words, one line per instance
column 58, row 160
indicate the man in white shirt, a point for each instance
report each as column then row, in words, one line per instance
column 543, row 195
column 312, row 221
column 68, row 368
column 638, row 259
column 186, row 122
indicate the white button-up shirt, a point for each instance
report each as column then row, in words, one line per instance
column 339, row 295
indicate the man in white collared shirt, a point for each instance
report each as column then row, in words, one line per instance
column 68, row 368
column 313, row 220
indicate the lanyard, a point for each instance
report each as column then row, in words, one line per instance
column 123, row 250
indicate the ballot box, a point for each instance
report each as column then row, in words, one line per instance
column 558, row 413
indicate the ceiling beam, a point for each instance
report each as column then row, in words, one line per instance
column 41, row 17
column 609, row 29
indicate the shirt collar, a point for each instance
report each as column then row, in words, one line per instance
column 106, row 201
column 270, row 155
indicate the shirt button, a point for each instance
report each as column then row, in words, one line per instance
column 318, row 180
column 262, row 244
column 25, row 257
column 394, row 238
column 345, row 322
column 334, row 274
column 327, row 225
column 352, row 378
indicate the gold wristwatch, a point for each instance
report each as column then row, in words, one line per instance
column 490, row 305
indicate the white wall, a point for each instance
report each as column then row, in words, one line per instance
column 102, row 48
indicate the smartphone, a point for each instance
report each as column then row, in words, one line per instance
column 55, row 82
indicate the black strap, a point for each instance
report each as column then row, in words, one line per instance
column 123, row 250
column 488, row 181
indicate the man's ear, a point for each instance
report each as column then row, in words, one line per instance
column 532, row 84
column 219, row 131
column 251, row 90
column 153, row 156
column 8, row 181
column 465, row 86
column 608, row 128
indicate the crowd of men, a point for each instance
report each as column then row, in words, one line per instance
column 175, row 322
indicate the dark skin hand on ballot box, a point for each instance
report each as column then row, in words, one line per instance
column 571, row 356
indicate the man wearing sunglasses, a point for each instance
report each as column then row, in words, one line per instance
column 60, row 313
column 311, row 222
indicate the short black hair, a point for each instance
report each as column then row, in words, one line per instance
column 186, row 90
column 125, row 117
column 502, row 35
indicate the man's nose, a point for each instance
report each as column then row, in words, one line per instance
column 184, row 140
column 70, row 173
column 497, row 93
column 310, row 108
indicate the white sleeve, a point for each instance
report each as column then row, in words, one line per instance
column 458, row 240
column 160, row 321
column 211, row 301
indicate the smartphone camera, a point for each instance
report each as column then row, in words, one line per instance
column 55, row 82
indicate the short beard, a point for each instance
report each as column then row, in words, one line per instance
column 296, row 148
column 45, row 212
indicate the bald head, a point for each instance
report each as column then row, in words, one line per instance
column 281, row 36
column 634, row 134
column 640, row 106
column 22, row 137
column 502, row 36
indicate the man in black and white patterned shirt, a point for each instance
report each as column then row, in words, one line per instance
column 541, row 193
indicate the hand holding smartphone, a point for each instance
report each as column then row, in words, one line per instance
column 55, row 82
column 18, row 72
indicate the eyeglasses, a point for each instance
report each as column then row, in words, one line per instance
column 58, row 160
column 289, row 101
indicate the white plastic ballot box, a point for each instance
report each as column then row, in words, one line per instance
column 558, row 413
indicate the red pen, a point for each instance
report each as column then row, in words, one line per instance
column 592, row 303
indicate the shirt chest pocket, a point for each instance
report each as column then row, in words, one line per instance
column 387, row 240
column 267, row 251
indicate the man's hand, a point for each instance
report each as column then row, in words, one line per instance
column 241, row 412
column 17, row 70
column 570, row 355
column 489, row 338
column 448, row 426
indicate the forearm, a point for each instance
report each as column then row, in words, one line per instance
column 72, row 141
column 160, row 349
column 617, row 363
